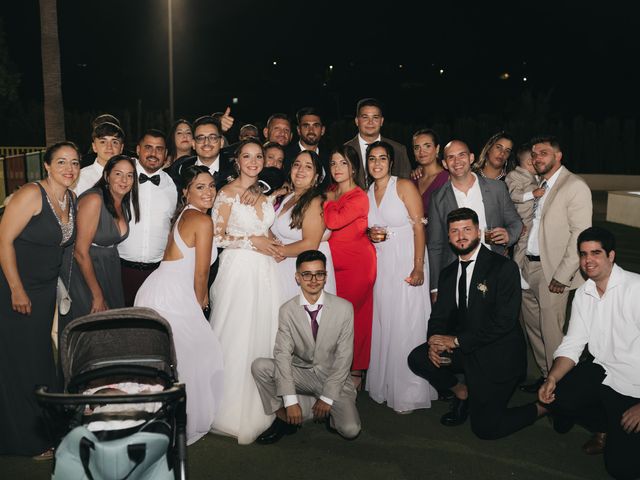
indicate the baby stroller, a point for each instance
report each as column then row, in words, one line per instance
column 109, row 433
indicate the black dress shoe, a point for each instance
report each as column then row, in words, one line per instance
column 276, row 431
column 532, row 387
column 458, row 413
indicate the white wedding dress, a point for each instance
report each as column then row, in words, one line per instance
column 245, row 299
column 169, row 291
column 287, row 268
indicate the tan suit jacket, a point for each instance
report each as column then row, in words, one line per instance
column 329, row 356
column 566, row 212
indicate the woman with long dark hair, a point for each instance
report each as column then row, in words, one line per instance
column 179, row 141
column 299, row 223
column 177, row 290
column 354, row 258
column 104, row 212
column 37, row 225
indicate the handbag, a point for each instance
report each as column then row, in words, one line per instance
column 62, row 295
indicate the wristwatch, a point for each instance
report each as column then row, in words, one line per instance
column 455, row 341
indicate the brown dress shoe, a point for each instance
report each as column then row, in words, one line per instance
column 595, row 445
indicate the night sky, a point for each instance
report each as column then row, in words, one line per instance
column 583, row 58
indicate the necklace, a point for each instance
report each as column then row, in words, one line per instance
column 61, row 203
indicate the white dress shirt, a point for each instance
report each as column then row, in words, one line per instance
column 293, row 399
column 147, row 239
column 473, row 200
column 470, row 269
column 363, row 149
column 533, row 244
column 88, row 177
column 213, row 168
column 303, row 148
column 610, row 325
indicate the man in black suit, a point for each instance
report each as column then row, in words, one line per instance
column 310, row 132
column 369, row 120
column 207, row 141
column 478, row 333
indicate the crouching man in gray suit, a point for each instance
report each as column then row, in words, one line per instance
column 312, row 356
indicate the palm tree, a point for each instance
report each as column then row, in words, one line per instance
column 51, row 77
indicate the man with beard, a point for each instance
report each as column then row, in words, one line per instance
column 474, row 329
column 142, row 251
column 500, row 223
column 551, row 262
column 310, row 132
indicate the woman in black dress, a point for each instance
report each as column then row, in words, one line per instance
column 104, row 212
column 36, row 227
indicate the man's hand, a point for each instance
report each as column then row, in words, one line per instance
column 631, row 419
column 294, row 414
column 445, row 341
column 546, row 392
column 320, row 410
column 556, row 287
column 499, row 236
column 434, row 354
column 434, row 297
column 251, row 195
column 226, row 120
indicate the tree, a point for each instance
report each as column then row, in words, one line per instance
column 51, row 76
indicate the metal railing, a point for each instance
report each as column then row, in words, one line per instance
column 18, row 169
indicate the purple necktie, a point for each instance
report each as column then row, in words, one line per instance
column 314, row 322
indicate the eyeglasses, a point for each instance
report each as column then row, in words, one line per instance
column 319, row 275
column 213, row 138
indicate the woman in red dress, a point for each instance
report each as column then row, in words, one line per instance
column 354, row 257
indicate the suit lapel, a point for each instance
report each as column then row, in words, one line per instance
column 304, row 323
column 450, row 202
column 325, row 320
column 562, row 178
column 479, row 277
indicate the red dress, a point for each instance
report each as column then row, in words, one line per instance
column 354, row 261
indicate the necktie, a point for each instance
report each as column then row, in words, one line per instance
column 536, row 200
column 155, row 179
column 314, row 322
column 462, row 292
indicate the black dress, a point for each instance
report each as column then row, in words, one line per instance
column 26, row 350
column 106, row 266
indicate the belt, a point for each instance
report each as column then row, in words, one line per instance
column 139, row 265
column 533, row 258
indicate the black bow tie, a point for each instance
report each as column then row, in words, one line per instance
column 155, row 179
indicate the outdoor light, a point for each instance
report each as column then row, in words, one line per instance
column 330, row 67
column 524, row 79
column 441, row 71
column 504, row 76
column 275, row 63
column 234, row 100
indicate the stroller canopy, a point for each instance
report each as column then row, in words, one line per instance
column 119, row 340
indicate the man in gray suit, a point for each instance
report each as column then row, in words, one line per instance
column 312, row 356
column 369, row 120
column 498, row 219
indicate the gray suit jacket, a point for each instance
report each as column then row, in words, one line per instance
column 499, row 211
column 401, row 164
column 329, row 356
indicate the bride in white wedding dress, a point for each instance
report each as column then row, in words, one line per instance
column 245, row 296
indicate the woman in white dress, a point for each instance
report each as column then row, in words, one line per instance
column 245, row 296
column 177, row 290
column 401, row 301
column 299, row 224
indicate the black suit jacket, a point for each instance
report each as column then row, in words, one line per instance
column 490, row 338
column 226, row 169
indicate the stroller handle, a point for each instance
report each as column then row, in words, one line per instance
column 176, row 392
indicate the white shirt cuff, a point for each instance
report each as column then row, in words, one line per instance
column 526, row 196
column 289, row 400
column 326, row 400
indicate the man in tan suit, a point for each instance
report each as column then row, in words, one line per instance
column 551, row 260
column 369, row 120
column 312, row 356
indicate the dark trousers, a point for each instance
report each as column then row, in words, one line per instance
column 132, row 279
column 490, row 417
column 581, row 396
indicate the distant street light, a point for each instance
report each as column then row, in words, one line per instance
column 170, row 17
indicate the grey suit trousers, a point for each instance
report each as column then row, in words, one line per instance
column 344, row 415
